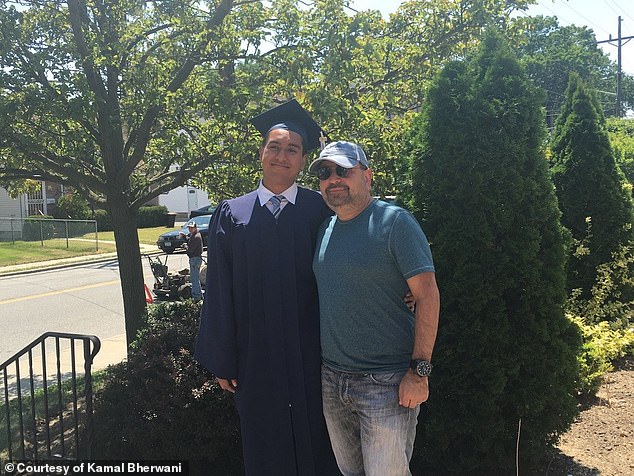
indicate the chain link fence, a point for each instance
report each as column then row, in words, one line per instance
column 50, row 232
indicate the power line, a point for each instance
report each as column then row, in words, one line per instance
column 612, row 6
column 590, row 22
column 622, row 9
column 620, row 41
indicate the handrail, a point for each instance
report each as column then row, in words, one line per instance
column 28, row 426
column 94, row 339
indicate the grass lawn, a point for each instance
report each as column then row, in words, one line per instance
column 22, row 252
column 147, row 236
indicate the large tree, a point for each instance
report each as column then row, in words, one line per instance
column 505, row 354
column 365, row 77
column 124, row 100
column 550, row 52
column 596, row 207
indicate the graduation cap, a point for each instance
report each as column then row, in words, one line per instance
column 293, row 117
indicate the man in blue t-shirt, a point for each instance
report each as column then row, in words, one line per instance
column 376, row 354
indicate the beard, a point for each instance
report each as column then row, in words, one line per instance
column 338, row 198
column 341, row 196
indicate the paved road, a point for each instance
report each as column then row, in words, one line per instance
column 82, row 299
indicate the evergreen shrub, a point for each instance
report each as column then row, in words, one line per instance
column 595, row 204
column 160, row 405
column 505, row 352
column 36, row 228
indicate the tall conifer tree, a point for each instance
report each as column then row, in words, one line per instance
column 595, row 206
column 505, row 352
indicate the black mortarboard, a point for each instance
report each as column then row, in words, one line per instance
column 293, row 117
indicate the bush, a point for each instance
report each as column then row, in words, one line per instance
column 148, row 217
column 152, row 216
column 584, row 166
column 505, row 352
column 72, row 206
column 36, row 228
column 161, row 405
column 602, row 347
column 104, row 222
column 605, row 320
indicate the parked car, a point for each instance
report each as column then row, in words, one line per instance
column 176, row 239
column 206, row 210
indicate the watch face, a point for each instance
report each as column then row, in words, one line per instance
column 423, row 368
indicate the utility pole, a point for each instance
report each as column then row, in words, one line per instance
column 620, row 41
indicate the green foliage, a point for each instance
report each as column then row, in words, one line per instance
column 111, row 98
column 127, row 99
column 148, row 217
column 602, row 345
column 551, row 52
column 621, row 134
column 73, row 206
column 363, row 76
column 36, row 228
column 595, row 205
column 152, row 216
column 612, row 296
column 104, row 222
column 161, row 405
column 606, row 319
column 481, row 189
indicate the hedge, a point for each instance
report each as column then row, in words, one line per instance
column 160, row 405
column 36, row 228
column 148, row 217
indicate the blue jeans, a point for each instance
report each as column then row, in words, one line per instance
column 371, row 434
column 195, row 262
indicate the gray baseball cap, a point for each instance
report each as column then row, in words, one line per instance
column 346, row 154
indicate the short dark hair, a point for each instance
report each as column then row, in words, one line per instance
column 266, row 138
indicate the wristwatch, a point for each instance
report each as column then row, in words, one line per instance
column 421, row 367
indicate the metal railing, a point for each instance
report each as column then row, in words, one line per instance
column 42, row 230
column 46, row 406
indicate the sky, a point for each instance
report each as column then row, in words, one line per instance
column 599, row 15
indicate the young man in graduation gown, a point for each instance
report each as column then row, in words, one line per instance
column 259, row 331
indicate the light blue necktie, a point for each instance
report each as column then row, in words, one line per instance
column 276, row 205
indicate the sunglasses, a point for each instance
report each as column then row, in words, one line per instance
column 324, row 172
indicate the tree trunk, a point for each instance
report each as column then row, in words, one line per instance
column 124, row 221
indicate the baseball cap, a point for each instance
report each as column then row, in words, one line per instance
column 293, row 117
column 346, row 154
column 192, row 223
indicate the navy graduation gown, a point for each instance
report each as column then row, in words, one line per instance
column 260, row 324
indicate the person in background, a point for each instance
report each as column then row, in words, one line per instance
column 195, row 254
column 259, row 329
column 376, row 353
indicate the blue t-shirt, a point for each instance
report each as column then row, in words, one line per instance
column 361, row 266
